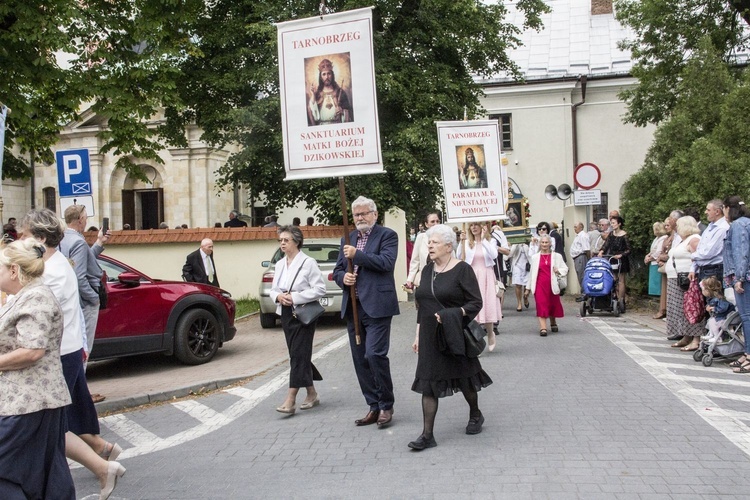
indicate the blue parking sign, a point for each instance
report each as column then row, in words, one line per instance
column 73, row 172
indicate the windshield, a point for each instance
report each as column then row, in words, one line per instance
column 323, row 254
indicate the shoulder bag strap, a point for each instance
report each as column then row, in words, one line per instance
column 432, row 285
column 297, row 274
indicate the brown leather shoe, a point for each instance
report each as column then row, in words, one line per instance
column 370, row 418
column 385, row 417
column 98, row 398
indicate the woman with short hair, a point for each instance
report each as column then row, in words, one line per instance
column 546, row 266
column 449, row 297
column 679, row 260
column 83, row 442
column 652, row 260
column 297, row 280
column 34, row 394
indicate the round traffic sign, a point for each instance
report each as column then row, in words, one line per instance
column 587, row 176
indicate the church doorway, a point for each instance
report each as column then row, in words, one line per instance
column 143, row 208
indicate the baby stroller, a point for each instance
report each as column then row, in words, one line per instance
column 600, row 287
column 729, row 344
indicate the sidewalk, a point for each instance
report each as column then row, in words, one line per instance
column 139, row 380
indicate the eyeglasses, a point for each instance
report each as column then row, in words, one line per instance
column 362, row 214
column 285, row 240
column 543, row 229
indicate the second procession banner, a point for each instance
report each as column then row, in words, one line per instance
column 328, row 103
column 474, row 181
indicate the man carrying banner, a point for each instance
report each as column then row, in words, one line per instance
column 328, row 102
column 373, row 251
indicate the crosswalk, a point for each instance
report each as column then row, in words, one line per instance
column 196, row 418
column 715, row 393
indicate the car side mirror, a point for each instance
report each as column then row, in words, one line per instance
column 266, row 263
column 129, row 279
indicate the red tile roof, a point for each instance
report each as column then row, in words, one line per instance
column 215, row 233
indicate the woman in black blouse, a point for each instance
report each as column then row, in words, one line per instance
column 618, row 246
column 448, row 289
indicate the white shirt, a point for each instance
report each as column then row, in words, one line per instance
column 581, row 244
column 307, row 286
column 711, row 246
column 61, row 278
column 208, row 266
column 419, row 256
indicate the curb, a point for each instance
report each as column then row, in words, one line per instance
column 122, row 404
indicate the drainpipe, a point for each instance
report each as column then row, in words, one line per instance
column 574, row 116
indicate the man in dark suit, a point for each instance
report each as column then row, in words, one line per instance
column 373, row 251
column 559, row 245
column 234, row 220
column 199, row 266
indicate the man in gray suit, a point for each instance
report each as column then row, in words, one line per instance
column 74, row 247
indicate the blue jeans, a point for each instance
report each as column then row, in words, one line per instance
column 743, row 307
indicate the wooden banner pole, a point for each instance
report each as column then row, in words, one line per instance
column 350, row 266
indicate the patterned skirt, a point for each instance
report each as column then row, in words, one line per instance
column 677, row 324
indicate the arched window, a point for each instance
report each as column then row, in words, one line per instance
column 50, row 198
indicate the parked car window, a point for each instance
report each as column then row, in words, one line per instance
column 113, row 270
column 323, row 254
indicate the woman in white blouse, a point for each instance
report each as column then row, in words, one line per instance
column 297, row 280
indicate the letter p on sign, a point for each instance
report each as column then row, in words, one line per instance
column 72, row 165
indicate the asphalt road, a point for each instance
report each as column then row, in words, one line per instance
column 603, row 409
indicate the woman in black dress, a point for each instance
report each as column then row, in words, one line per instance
column 618, row 246
column 448, row 286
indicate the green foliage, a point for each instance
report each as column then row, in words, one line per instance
column 246, row 305
column 214, row 65
column 701, row 152
column 426, row 52
column 667, row 35
column 124, row 56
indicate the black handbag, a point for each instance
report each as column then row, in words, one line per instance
column 683, row 281
column 309, row 312
column 473, row 332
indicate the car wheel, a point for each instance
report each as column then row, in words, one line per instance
column 268, row 320
column 197, row 337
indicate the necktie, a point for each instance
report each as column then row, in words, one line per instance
column 209, row 268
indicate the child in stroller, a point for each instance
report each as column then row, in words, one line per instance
column 717, row 306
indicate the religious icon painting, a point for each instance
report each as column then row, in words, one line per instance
column 472, row 170
column 329, row 89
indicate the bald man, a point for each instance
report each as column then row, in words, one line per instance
column 199, row 265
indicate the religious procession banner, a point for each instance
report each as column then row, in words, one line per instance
column 472, row 170
column 329, row 111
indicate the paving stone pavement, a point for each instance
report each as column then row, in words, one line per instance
column 577, row 415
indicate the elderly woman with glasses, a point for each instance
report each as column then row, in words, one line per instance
column 297, row 280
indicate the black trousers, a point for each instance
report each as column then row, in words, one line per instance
column 299, row 341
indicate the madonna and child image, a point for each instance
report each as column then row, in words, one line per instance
column 329, row 88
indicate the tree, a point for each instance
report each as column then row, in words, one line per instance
column 123, row 56
column 667, row 35
column 426, row 54
column 701, row 152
